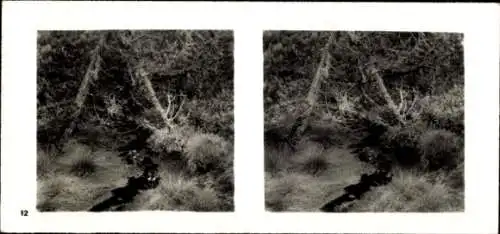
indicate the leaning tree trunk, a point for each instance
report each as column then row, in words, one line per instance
column 320, row 74
column 141, row 75
column 302, row 120
column 372, row 71
column 167, row 115
column 91, row 75
column 151, row 96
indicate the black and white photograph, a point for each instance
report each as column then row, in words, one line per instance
column 249, row 117
column 364, row 121
column 131, row 120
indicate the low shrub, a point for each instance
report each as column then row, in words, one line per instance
column 310, row 159
column 207, row 153
column 440, row 149
column 446, row 111
column 402, row 145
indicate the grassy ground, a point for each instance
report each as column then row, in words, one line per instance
column 312, row 177
column 77, row 178
column 80, row 177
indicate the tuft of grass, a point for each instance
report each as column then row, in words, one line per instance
column 73, row 147
column 178, row 193
column 83, row 167
column 46, row 163
column 412, row 192
column 315, row 165
column 207, row 153
column 310, row 159
column 276, row 159
column 78, row 159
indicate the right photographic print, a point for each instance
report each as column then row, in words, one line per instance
column 362, row 121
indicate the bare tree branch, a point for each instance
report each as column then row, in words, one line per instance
column 179, row 108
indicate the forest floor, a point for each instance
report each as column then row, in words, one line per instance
column 81, row 176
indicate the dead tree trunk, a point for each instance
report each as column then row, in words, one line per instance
column 91, row 75
column 151, row 95
column 301, row 122
column 139, row 74
column 320, row 74
column 372, row 71
column 167, row 115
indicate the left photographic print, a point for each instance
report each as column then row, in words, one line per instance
column 131, row 120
